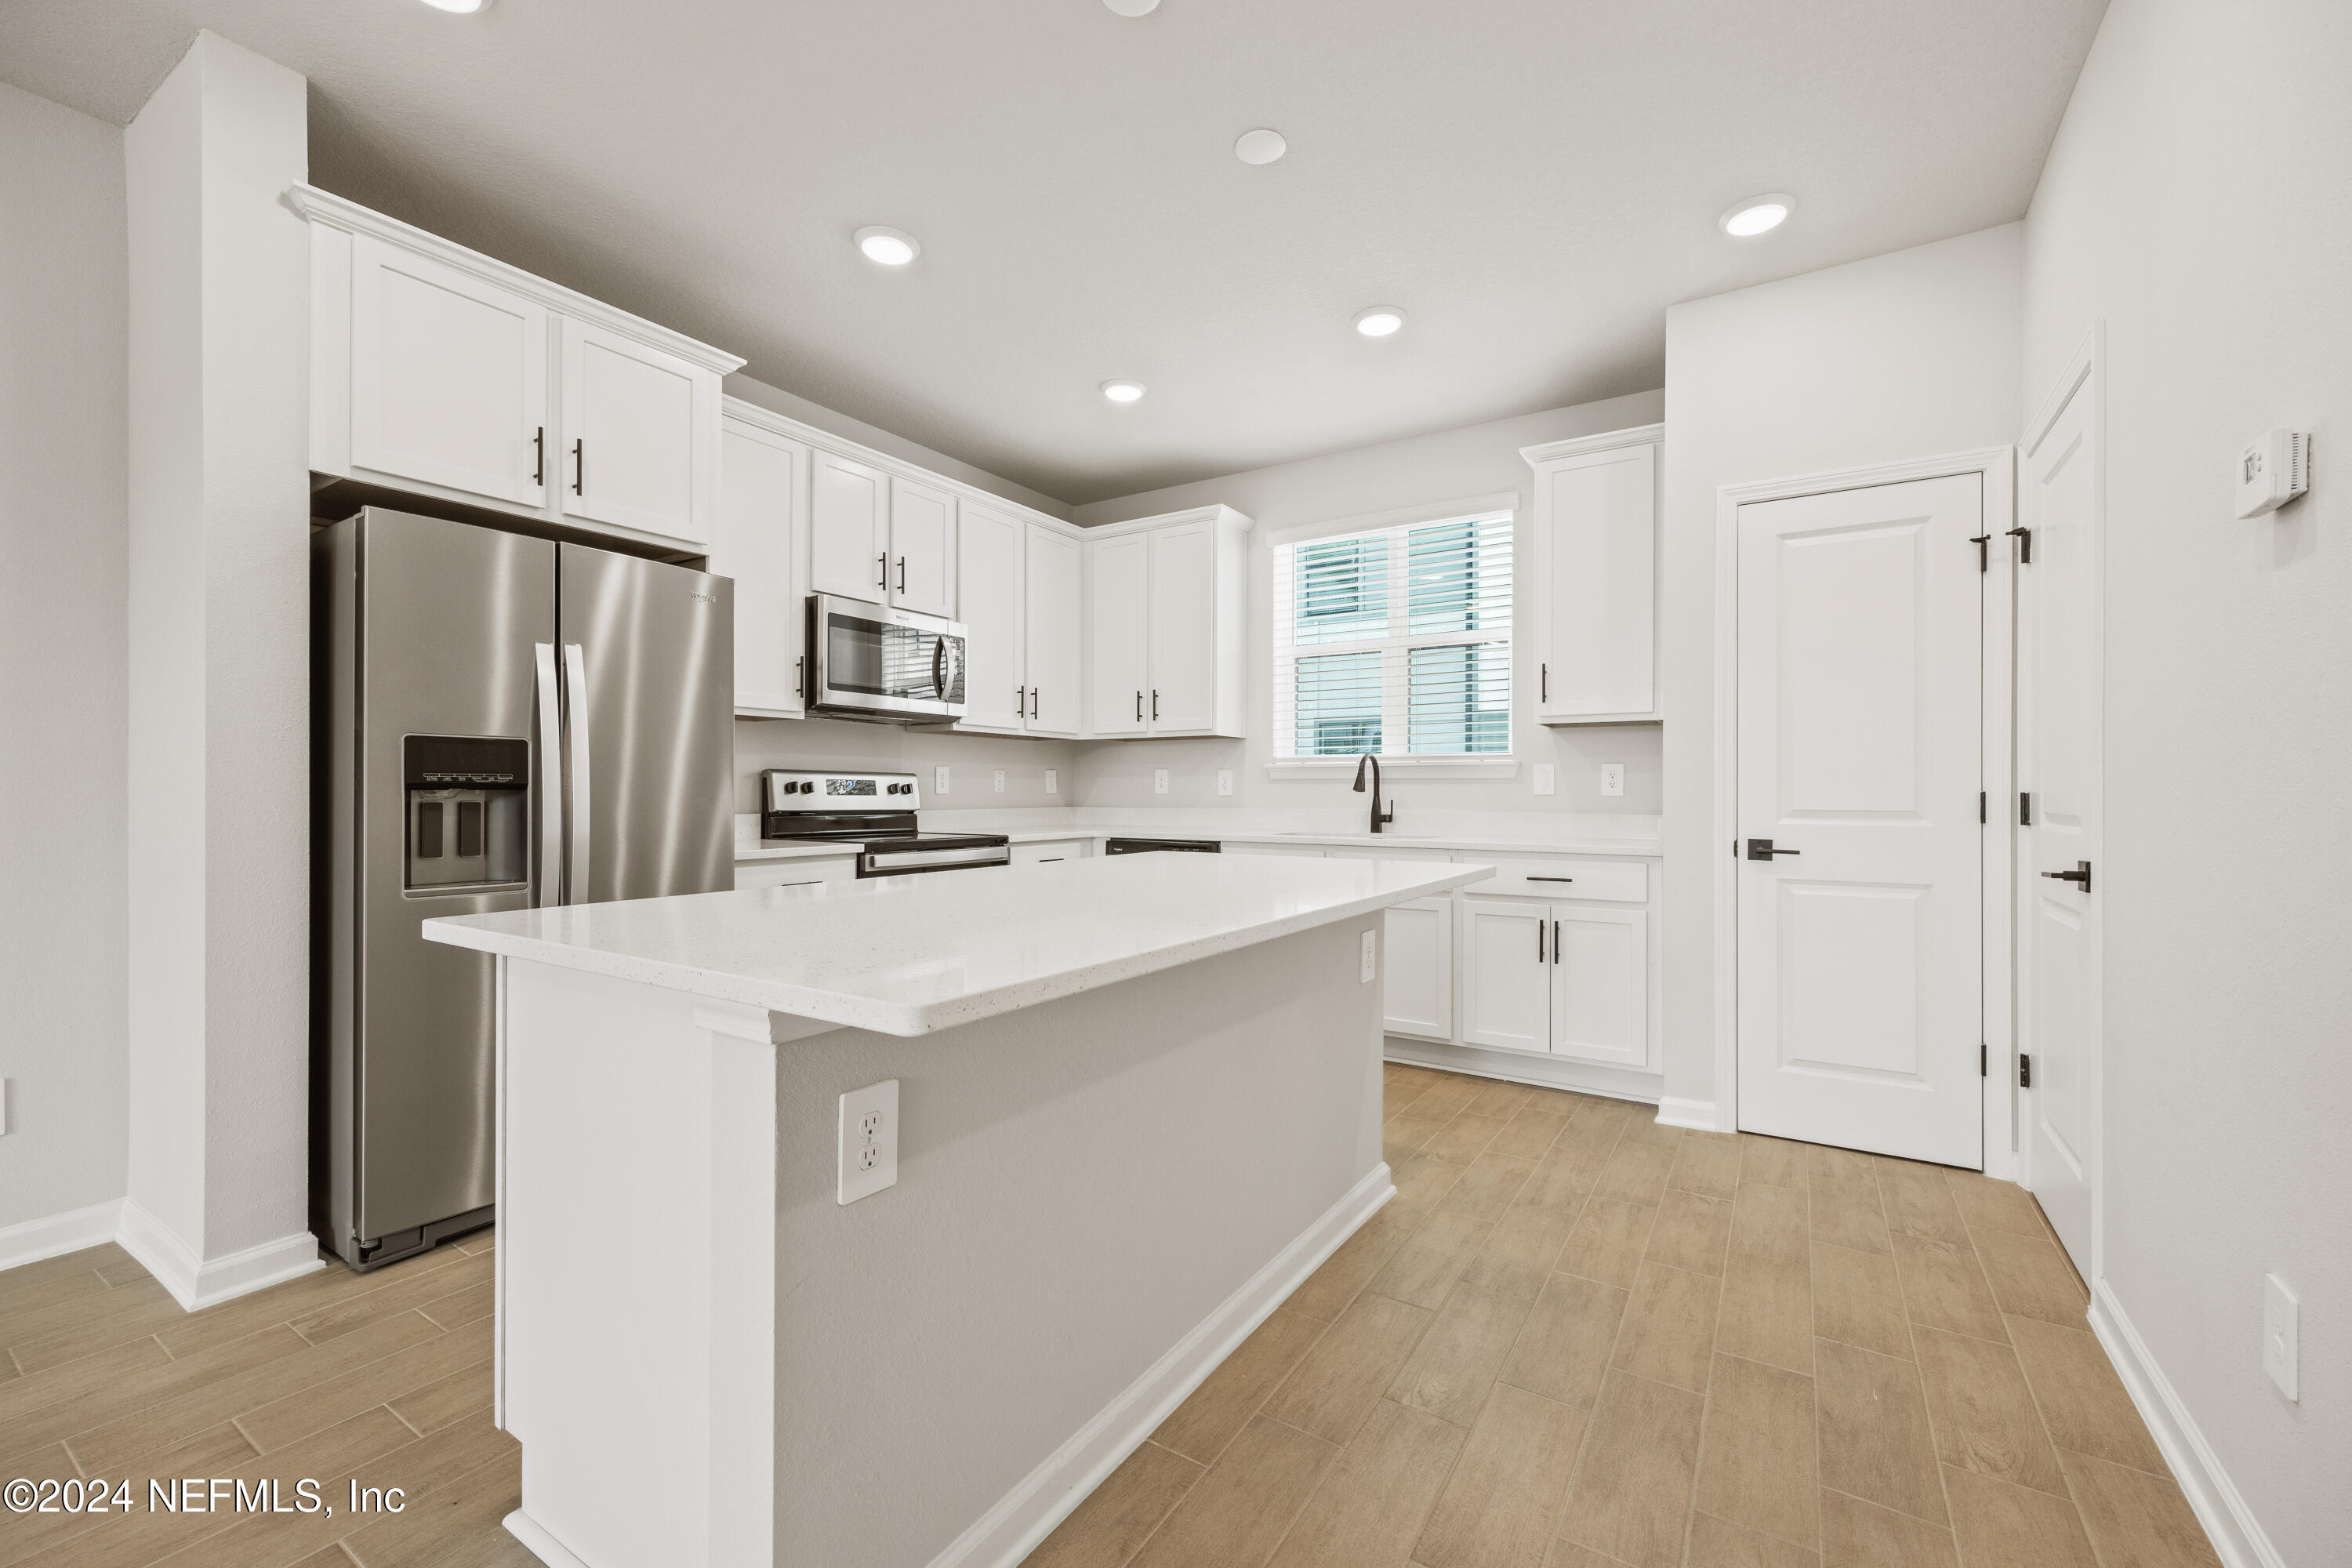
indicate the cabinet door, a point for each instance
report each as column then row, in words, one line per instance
column 636, row 423
column 1181, row 624
column 1049, row 623
column 449, row 377
column 1597, row 540
column 1601, row 985
column 988, row 586
column 760, row 541
column 1506, row 975
column 849, row 520
column 1417, row 951
column 1115, row 614
column 1046, row 854
column 922, row 548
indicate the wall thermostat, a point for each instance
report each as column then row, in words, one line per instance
column 2273, row 469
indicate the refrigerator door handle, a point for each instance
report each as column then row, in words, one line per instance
column 548, row 887
column 575, row 687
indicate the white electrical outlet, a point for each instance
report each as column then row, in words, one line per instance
column 1053, row 781
column 1543, row 776
column 1000, row 781
column 1160, row 780
column 1224, row 780
column 2280, row 1312
column 869, row 1140
column 1371, row 965
column 1613, row 778
column 939, row 781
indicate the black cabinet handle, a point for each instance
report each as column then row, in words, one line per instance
column 882, row 565
column 580, row 467
column 1539, row 939
column 2080, row 875
column 902, row 574
column 799, row 677
column 1535, row 879
column 1555, row 942
column 1155, row 706
column 1032, row 702
column 1138, row 707
column 539, row 456
column 1543, row 683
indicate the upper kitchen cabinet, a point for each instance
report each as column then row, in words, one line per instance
column 442, row 372
column 1168, row 633
column 922, row 547
column 1050, row 631
column 849, row 529
column 762, row 541
column 988, row 585
column 1596, row 577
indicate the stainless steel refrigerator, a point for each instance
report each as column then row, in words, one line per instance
column 500, row 722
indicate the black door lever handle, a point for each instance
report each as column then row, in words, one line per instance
column 1762, row 849
column 2081, row 873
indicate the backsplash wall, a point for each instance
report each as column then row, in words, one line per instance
column 970, row 760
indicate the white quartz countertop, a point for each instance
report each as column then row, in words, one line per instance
column 907, row 955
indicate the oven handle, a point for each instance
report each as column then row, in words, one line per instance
column 880, row 862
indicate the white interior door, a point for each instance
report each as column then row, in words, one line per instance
column 988, row 586
column 1601, row 985
column 922, row 548
column 632, row 418
column 1114, row 620
column 450, row 376
column 1506, row 973
column 1050, row 631
column 1859, row 760
column 758, row 543
column 2058, row 687
column 849, row 518
column 1417, row 969
column 1182, row 628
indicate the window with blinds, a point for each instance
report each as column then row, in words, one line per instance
column 1397, row 642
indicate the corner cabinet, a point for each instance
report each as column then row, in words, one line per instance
column 442, row 372
column 1596, row 577
column 1167, row 625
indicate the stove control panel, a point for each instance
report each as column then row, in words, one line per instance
column 787, row 789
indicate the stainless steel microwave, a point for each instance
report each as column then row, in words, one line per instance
column 873, row 662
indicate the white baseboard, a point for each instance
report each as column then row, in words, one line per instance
column 543, row 1546
column 1535, row 1067
column 2228, row 1523
column 1698, row 1114
column 196, row 1283
column 59, row 1233
column 1028, row 1513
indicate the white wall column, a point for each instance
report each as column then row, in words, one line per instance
column 219, row 789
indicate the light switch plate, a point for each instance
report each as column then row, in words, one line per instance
column 1000, row 781
column 1224, row 780
column 2280, row 1312
column 869, row 1140
column 939, row 781
column 1371, row 965
column 1613, row 778
column 1543, row 777
column 1053, row 781
column 1160, row 780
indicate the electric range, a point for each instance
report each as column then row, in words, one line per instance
column 874, row 813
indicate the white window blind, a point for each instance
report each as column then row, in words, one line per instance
column 1396, row 641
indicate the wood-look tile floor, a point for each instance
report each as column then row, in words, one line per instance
column 1577, row 1339
column 382, row 1377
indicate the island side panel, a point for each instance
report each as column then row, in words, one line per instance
column 1080, row 1185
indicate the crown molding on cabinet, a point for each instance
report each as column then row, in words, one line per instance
column 1608, row 440
column 325, row 206
column 1222, row 515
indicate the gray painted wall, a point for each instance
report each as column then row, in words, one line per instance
column 63, row 694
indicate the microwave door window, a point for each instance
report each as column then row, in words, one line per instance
column 874, row 660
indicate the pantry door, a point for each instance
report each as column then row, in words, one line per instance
column 1859, row 735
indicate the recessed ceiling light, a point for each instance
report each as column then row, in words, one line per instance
column 1122, row 391
column 1260, row 146
column 890, row 247
column 1756, row 214
column 1133, row 7
column 463, row 7
column 1380, row 320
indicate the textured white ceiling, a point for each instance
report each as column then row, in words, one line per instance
column 1533, row 181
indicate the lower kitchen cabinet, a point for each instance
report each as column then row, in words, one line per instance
column 796, row 872
column 1046, row 854
column 1570, row 980
column 1506, row 973
column 1417, row 991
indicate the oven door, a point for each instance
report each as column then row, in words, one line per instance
column 872, row 661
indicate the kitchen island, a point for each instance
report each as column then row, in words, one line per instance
column 1137, row 1102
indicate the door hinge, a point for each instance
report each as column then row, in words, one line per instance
column 1983, row 541
column 1980, row 805
column 1984, row 1059
column 2024, row 537
column 2025, row 1071
column 2025, row 808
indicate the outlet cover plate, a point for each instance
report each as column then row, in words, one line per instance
column 1613, row 778
column 1224, row 780
column 869, row 1140
column 2280, row 1313
column 1000, row 781
column 1053, row 781
column 1160, row 780
column 1371, row 965
column 1543, row 777
column 939, row 781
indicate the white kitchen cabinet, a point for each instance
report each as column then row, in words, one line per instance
column 1601, row 985
column 797, row 872
column 1596, row 577
column 1117, row 572
column 849, row 528
column 1417, row 982
column 1046, row 854
column 762, row 541
column 440, row 372
column 922, row 547
column 1050, row 629
column 1168, row 638
column 988, row 553
column 1506, row 973
column 636, row 426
